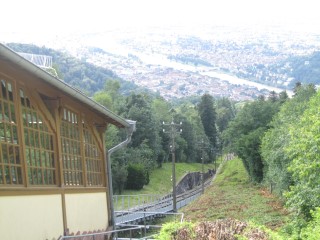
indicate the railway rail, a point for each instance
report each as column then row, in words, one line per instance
column 157, row 207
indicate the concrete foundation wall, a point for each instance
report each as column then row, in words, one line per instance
column 36, row 217
column 86, row 212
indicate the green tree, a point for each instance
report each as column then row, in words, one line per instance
column 119, row 176
column 142, row 154
column 111, row 98
column 276, row 140
column 283, row 96
column 304, row 195
column 243, row 136
column 180, row 147
column 104, row 98
column 189, row 136
column 192, row 129
column 136, row 177
column 296, row 87
column 160, row 108
column 139, row 108
column 273, row 96
column 225, row 113
column 112, row 87
column 208, row 118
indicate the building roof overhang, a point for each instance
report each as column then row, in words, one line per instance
column 9, row 55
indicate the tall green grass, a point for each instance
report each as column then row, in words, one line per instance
column 160, row 178
column 160, row 184
column 231, row 195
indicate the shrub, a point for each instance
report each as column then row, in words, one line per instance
column 312, row 230
column 170, row 230
column 136, row 177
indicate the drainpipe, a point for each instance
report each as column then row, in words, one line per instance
column 130, row 129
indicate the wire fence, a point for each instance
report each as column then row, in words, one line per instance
column 125, row 202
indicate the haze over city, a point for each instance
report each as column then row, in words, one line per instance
column 159, row 44
column 64, row 17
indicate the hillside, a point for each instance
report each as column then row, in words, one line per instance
column 231, row 195
column 306, row 69
column 287, row 72
column 160, row 178
column 80, row 74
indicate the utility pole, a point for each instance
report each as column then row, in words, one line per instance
column 173, row 133
column 202, row 174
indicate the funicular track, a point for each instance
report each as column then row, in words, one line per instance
column 158, row 206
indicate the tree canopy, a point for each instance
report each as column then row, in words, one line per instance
column 277, row 139
column 208, row 118
column 244, row 133
column 304, row 194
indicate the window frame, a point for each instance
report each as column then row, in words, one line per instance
column 45, row 150
column 54, row 127
column 7, row 144
column 83, row 124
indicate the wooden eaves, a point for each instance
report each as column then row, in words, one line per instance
column 8, row 54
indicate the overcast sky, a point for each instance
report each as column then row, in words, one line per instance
column 65, row 16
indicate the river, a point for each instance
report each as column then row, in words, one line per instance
column 235, row 80
column 162, row 60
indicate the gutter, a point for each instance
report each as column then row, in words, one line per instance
column 8, row 54
column 130, row 130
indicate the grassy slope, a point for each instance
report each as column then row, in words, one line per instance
column 232, row 196
column 160, row 178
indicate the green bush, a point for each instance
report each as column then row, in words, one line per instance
column 312, row 230
column 169, row 230
column 136, row 177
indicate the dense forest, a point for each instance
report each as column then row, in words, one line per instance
column 195, row 124
column 276, row 137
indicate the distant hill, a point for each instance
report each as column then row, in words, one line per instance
column 306, row 69
column 77, row 73
column 286, row 73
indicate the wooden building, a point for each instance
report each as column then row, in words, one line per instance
column 53, row 162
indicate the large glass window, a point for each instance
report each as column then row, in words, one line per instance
column 93, row 159
column 10, row 160
column 38, row 145
column 31, row 159
column 71, row 149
